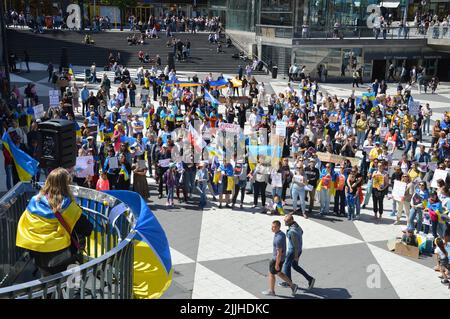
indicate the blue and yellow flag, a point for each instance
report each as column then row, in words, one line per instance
column 39, row 229
column 26, row 166
column 153, row 271
column 124, row 172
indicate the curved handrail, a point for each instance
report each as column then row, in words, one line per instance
column 118, row 258
column 86, row 266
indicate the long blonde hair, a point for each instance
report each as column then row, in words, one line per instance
column 56, row 188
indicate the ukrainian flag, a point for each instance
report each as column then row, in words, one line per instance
column 123, row 171
column 70, row 70
column 39, row 229
column 26, row 166
column 332, row 188
column 153, row 271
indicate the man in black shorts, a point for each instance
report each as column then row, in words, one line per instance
column 279, row 254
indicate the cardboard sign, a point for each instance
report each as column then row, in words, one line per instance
column 281, row 128
column 438, row 174
column 337, row 159
column 407, row 250
column 38, row 111
column 84, row 166
column 53, row 97
column 229, row 127
column 398, row 191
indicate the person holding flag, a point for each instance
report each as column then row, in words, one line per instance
column 123, row 180
column 19, row 165
column 326, row 188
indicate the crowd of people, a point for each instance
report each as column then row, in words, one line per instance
column 137, row 131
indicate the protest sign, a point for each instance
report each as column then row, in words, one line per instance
column 276, row 180
column 438, row 174
column 53, row 97
column 38, row 111
column 378, row 181
column 398, row 191
column 383, row 132
column 414, row 108
column 84, row 166
column 423, row 167
column 432, row 166
column 337, row 159
column 368, row 148
column 113, row 162
column 229, row 127
column 280, row 128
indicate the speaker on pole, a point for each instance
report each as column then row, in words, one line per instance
column 171, row 60
column 58, row 143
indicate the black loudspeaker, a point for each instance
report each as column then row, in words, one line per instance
column 58, row 143
column 64, row 59
column 171, row 61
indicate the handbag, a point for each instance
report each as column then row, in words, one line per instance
column 76, row 247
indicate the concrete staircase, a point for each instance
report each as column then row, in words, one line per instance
column 48, row 47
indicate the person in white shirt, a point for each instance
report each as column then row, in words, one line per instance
column 253, row 120
column 124, row 112
column 137, row 125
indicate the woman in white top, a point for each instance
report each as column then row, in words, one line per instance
column 298, row 189
column 259, row 177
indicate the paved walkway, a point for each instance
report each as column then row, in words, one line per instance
column 224, row 253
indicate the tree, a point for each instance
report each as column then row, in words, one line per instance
column 122, row 5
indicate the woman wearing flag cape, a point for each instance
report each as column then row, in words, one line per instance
column 53, row 228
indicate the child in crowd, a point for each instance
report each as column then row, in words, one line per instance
column 276, row 207
column 103, row 182
column 170, row 179
column 442, row 254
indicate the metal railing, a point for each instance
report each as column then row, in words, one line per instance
column 358, row 32
column 108, row 270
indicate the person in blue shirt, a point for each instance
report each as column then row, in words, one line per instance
column 420, row 196
column 84, row 99
column 227, row 172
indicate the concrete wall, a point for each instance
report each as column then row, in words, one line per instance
column 245, row 40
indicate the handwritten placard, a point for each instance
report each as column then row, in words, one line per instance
column 38, row 111
column 438, row 174
column 398, row 191
column 84, row 166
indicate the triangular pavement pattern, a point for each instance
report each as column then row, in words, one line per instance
column 179, row 258
column 209, row 285
column 417, row 284
column 339, row 275
column 227, row 234
column 182, row 229
column 340, row 224
column 372, row 231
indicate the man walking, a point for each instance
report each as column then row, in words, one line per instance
column 294, row 251
column 278, row 258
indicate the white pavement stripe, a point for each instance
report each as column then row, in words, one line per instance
column 370, row 231
column 230, row 234
column 178, row 258
column 209, row 285
column 409, row 279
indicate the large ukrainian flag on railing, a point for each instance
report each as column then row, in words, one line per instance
column 152, row 261
column 26, row 166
